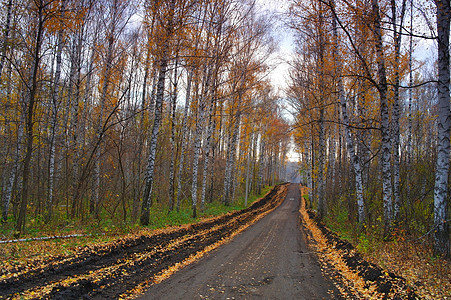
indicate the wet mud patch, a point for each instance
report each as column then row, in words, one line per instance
column 386, row 285
column 112, row 270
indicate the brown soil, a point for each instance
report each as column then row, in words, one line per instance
column 270, row 260
column 388, row 285
column 109, row 271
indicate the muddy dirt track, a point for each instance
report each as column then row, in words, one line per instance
column 127, row 266
column 270, row 260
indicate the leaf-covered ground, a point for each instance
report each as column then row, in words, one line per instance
column 386, row 273
column 125, row 267
column 429, row 275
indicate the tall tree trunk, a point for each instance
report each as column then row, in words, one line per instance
column 197, row 143
column 231, row 157
column 261, row 161
column 6, row 32
column 147, row 196
column 173, row 154
column 345, row 120
column 409, row 106
column 12, row 176
column 385, row 122
column 248, row 163
column 441, row 220
column 184, row 139
column 208, row 148
column 396, row 109
column 321, row 166
column 54, row 120
column 30, row 106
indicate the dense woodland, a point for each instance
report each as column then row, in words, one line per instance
column 373, row 122
column 111, row 106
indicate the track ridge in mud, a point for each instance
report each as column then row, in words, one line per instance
column 387, row 284
column 109, row 271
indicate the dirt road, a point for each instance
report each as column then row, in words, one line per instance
column 270, row 260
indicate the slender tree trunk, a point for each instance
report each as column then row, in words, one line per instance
column 208, row 148
column 321, row 166
column 261, row 162
column 231, row 157
column 54, row 120
column 396, row 108
column 248, row 163
column 345, row 121
column 409, row 106
column 184, row 139
column 441, row 219
column 6, row 32
column 30, row 106
column 173, row 154
column 197, row 142
column 147, row 196
column 14, row 170
column 77, row 179
column 385, row 122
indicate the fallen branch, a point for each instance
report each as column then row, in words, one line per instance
column 47, row 238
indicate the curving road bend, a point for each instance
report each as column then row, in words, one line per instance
column 269, row 260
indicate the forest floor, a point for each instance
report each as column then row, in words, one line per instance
column 124, row 268
column 287, row 254
column 400, row 268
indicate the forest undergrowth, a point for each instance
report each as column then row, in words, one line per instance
column 407, row 256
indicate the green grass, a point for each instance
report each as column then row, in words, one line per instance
column 159, row 218
column 99, row 231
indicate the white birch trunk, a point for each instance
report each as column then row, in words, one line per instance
column 248, row 164
column 261, row 162
column 185, row 130
column 208, row 148
column 14, row 170
column 147, row 196
column 321, row 166
column 385, row 122
column 231, row 157
column 54, row 120
column 441, row 219
column 349, row 140
column 172, row 164
column 197, row 143
column 6, row 32
column 396, row 109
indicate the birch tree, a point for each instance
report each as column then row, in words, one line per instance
column 441, row 221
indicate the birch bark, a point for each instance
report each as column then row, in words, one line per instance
column 396, row 109
column 345, row 121
column 441, row 219
column 385, row 122
column 184, row 139
column 147, row 196
column 173, row 154
column 54, row 119
column 6, row 32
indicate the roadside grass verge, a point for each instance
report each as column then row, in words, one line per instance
column 404, row 255
column 100, row 231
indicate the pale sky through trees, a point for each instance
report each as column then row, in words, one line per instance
column 284, row 42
